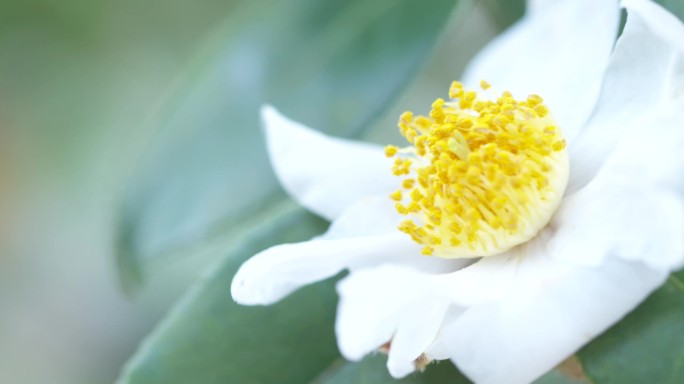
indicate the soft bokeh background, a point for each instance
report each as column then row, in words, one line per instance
column 78, row 82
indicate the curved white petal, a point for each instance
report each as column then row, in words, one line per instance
column 278, row 271
column 387, row 303
column 504, row 319
column 406, row 306
column 550, row 311
column 324, row 174
column 650, row 152
column 350, row 243
column 634, row 207
column 621, row 221
column 644, row 75
column 375, row 215
column 559, row 50
column 410, row 341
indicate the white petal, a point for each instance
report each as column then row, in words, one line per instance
column 375, row 302
column 504, row 319
column 634, row 207
column 559, row 50
column 278, row 271
column 376, row 216
column 550, row 311
column 323, row 173
column 369, row 216
column 641, row 78
column 410, row 341
column 650, row 153
column 406, row 306
column 630, row 222
column 349, row 244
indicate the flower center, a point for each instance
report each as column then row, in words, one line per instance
column 480, row 176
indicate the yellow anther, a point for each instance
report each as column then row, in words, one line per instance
column 469, row 95
column 391, row 150
column 406, row 117
column 413, row 207
column 533, row 100
column 456, row 90
column 484, row 85
column 541, row 110
column 408, row 183
column 417, row 195
column 486, row 174
column 401, row 167
column 559, row 145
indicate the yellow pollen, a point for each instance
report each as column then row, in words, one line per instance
column 408, row 183
column 396, row 196
column 484, row 174
column 391, row 150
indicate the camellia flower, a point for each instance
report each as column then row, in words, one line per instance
column 511, row 231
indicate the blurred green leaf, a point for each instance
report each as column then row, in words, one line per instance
column 558, row 377
column 647, row 346
column 505, row 12
column 207, row 338
column 674, row 6
column 373, row 370
column 334, row 65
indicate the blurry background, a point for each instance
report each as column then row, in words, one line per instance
column 129, row 144
column 76, row 80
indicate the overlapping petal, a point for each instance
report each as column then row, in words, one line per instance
column 630, row 222
column 643, row 77
column 550, row 311
column 323, row 173
column 559, row 50
column 634, row 207
column 507, row 318
column 380, row 303
column 352, row 242
column 278, row 271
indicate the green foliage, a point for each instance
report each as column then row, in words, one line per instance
column 207, row 338
column 558, row 377
column 373, row 370
column 674, row 6
column 647, row 346
column 505, row 12
column 334, row 65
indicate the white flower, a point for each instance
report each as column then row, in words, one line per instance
column 508, row 318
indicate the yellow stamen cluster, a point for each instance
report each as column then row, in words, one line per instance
column 484, row 175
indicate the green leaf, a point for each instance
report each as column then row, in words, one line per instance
column 505, row 12
column 558, row 377
column 647, row 346
column 373, row 370
column 207, row 338
column 674, row 6
column 335, row 65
